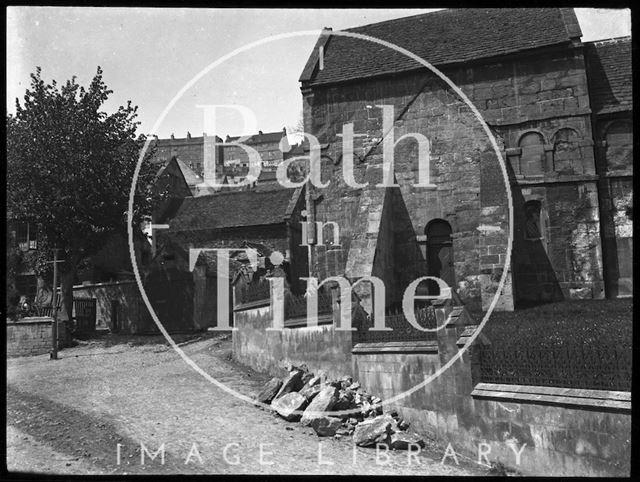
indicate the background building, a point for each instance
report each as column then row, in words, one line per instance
column 231, row 160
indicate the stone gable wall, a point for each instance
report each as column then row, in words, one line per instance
column 544, row 94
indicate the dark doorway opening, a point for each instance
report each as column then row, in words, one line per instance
column 115, row 322
column 439, row 253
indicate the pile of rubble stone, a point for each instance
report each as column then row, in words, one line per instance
column 304, row 397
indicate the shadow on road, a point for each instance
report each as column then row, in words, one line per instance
column 79, row 435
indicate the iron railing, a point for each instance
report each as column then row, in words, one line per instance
column 253, row 292
column 84, row 309
column 295, row 306
column 401, row 329
column 597, row 366
column 47, row 310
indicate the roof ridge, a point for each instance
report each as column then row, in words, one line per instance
column 446, row 10
column 240, row 191
column 258, row 134
column 395, row 20
column 611, row 40
column 442, row 37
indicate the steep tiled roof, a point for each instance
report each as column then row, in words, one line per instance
column 443, row 37
column 191, row 177
column 208, row 259
column 610, row 75
column 232, row 209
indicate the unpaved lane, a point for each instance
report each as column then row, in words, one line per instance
column 94, row 398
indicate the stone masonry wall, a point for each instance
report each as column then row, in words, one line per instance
column 617, row 197
column 556, row 438
column 131, row 312
column 552, row 436
column 32, row 336
column 545, row 95
column 614, row 154
column 560, row 440
column 458, row 148
column 320, row 348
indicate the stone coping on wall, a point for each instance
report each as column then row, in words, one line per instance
column 466, row 335
column 542, row 179
column 252, row 304
column 31, row 319
column 582, row 398
column 427, row 346
column 302, row 321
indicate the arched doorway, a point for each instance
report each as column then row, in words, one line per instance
column 440, row 251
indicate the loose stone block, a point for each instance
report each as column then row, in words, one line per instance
column 310, row 392
column 323, row 402
column 269, row 391
column 292, row 384
column 373, row 431
column 288, row 404
column 402, row 440
column 326, row 426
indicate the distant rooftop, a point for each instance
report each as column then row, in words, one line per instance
column 183, row 140
column 261, row 137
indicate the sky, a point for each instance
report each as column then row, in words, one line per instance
column 149, row 55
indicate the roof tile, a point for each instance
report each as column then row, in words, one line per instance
column 189, row 175
column 610, row 75
column 443, row 37
column 232, row 209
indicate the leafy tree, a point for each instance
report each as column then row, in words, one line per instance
column 70, row 167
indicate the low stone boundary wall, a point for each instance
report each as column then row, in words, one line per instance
column 535, row 430
column 32, row 336
column 320, row 347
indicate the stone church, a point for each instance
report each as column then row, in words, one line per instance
column 561, row 113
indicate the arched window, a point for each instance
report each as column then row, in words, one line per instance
column 532, row 227
column 567, row 158
column 440, row 251
column 619, row 146
column 532, row 156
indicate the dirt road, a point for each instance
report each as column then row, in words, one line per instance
column 98, row 407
